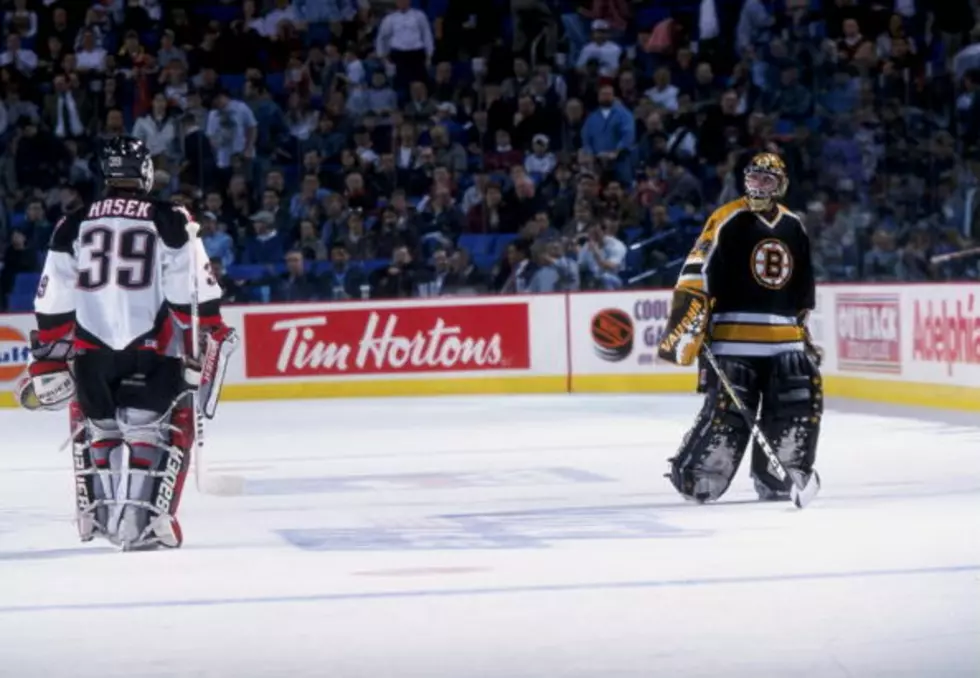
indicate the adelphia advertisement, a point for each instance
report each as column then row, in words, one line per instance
column 399, row 339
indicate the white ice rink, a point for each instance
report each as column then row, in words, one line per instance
column 530, row 537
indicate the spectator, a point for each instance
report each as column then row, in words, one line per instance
column 601, row 257
column 663, row 93
column 881, row 261
column 448, row 153
column 19, row 258
column 231, row 290
column 405, row 39
column 310, row 243
column 296, row 284
column 67, row 109
column 232, row 130
column 555, row 272
column 90, row 56
column 503, row 156
column 17, row 56
column 519, row 269
column 217, row 243
column 602, row 50
column 342, row 280
column 381, row 99
column 541, row 161
column 36, row 228
column 398, row 279
column 158, row 129
column 463, row 277
column 265, row 247
column 609, row 135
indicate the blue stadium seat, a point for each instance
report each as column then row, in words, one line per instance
column 372, row 265
column 17, row 220
column 485, row 262
column 248, row 271
column 500, row 243
column 26, row 283
column 20, row 303
column 233, row 82
column 276, row 82
column 632, row 234
column 318, row 35
column 476, row 243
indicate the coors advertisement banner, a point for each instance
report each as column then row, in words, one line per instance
column 869, row 333
column 395, row 340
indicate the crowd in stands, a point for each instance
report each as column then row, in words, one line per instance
column 339, row 149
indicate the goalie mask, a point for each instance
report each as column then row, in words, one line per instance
column 126, row 162
column 765, row 181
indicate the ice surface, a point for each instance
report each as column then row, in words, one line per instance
column 532, row 537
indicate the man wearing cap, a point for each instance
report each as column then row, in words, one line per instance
column 265, row 247
column 541, row 160
column 601, row 49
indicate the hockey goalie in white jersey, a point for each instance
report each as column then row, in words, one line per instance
column 117, row 318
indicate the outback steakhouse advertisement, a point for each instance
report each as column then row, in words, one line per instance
column 395, row 340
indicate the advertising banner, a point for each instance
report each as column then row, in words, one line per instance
column 618, row 334
column 869, row 332
column 388, row 340
column 14, row 352
column 945, row 336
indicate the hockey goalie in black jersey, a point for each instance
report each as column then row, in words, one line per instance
column 114, row 344
column 746, row 289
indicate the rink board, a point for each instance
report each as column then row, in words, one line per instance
column 899, row 344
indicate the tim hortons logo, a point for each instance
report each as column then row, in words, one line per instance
column 431, row 339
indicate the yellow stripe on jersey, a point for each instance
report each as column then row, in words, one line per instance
column 692, row 272
column 764, row 334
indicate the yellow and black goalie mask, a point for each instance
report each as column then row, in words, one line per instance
column 765, row 181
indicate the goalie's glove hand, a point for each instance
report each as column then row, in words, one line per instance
column 49, row 384
column 215, row 341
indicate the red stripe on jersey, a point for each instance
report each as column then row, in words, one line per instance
column 53, row 334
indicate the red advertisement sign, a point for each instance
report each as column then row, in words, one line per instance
column 947, row 331
column 395, row 340
column 869, row 336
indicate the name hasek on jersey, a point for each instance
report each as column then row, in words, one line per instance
column 116, row 271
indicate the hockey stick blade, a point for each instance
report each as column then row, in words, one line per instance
column 802, row 496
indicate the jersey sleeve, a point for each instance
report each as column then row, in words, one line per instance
column 694, row 271
column 180, row 257
column 54, row 302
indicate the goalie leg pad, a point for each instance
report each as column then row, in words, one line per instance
column 792, row 408
column 713, row 449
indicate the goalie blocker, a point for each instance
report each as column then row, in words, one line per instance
column 745, row 288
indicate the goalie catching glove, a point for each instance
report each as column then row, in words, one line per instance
column 689, row 315
column 206, row 374
column 49, row 384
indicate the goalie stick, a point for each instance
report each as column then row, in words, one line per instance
column 962, row 254
column 204, row 482
column 802, row 492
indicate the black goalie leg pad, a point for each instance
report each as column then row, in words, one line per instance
column 792, row 408
column 712, row 450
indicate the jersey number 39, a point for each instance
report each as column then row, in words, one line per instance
column 123, row 257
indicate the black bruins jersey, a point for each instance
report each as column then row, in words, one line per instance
column 759, row 273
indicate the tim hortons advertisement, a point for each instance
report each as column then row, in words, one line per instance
column 393, row 340
column 946, row 331
column 869, row 332
column 613, row 333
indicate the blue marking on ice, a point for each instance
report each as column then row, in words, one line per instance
column 422, row 481
column 494, row 590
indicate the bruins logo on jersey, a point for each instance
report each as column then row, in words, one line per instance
column 772, row 264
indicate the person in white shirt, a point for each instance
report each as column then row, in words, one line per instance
column 232, row 129
column 405, row 38
column 601, row 49
column 541, row 160
column 157, row 129
column 24, row 60
column 90, row 57
column 21, row 20
column 663, row 94
column 283, row 11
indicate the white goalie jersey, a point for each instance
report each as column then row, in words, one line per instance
column 118, row 276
